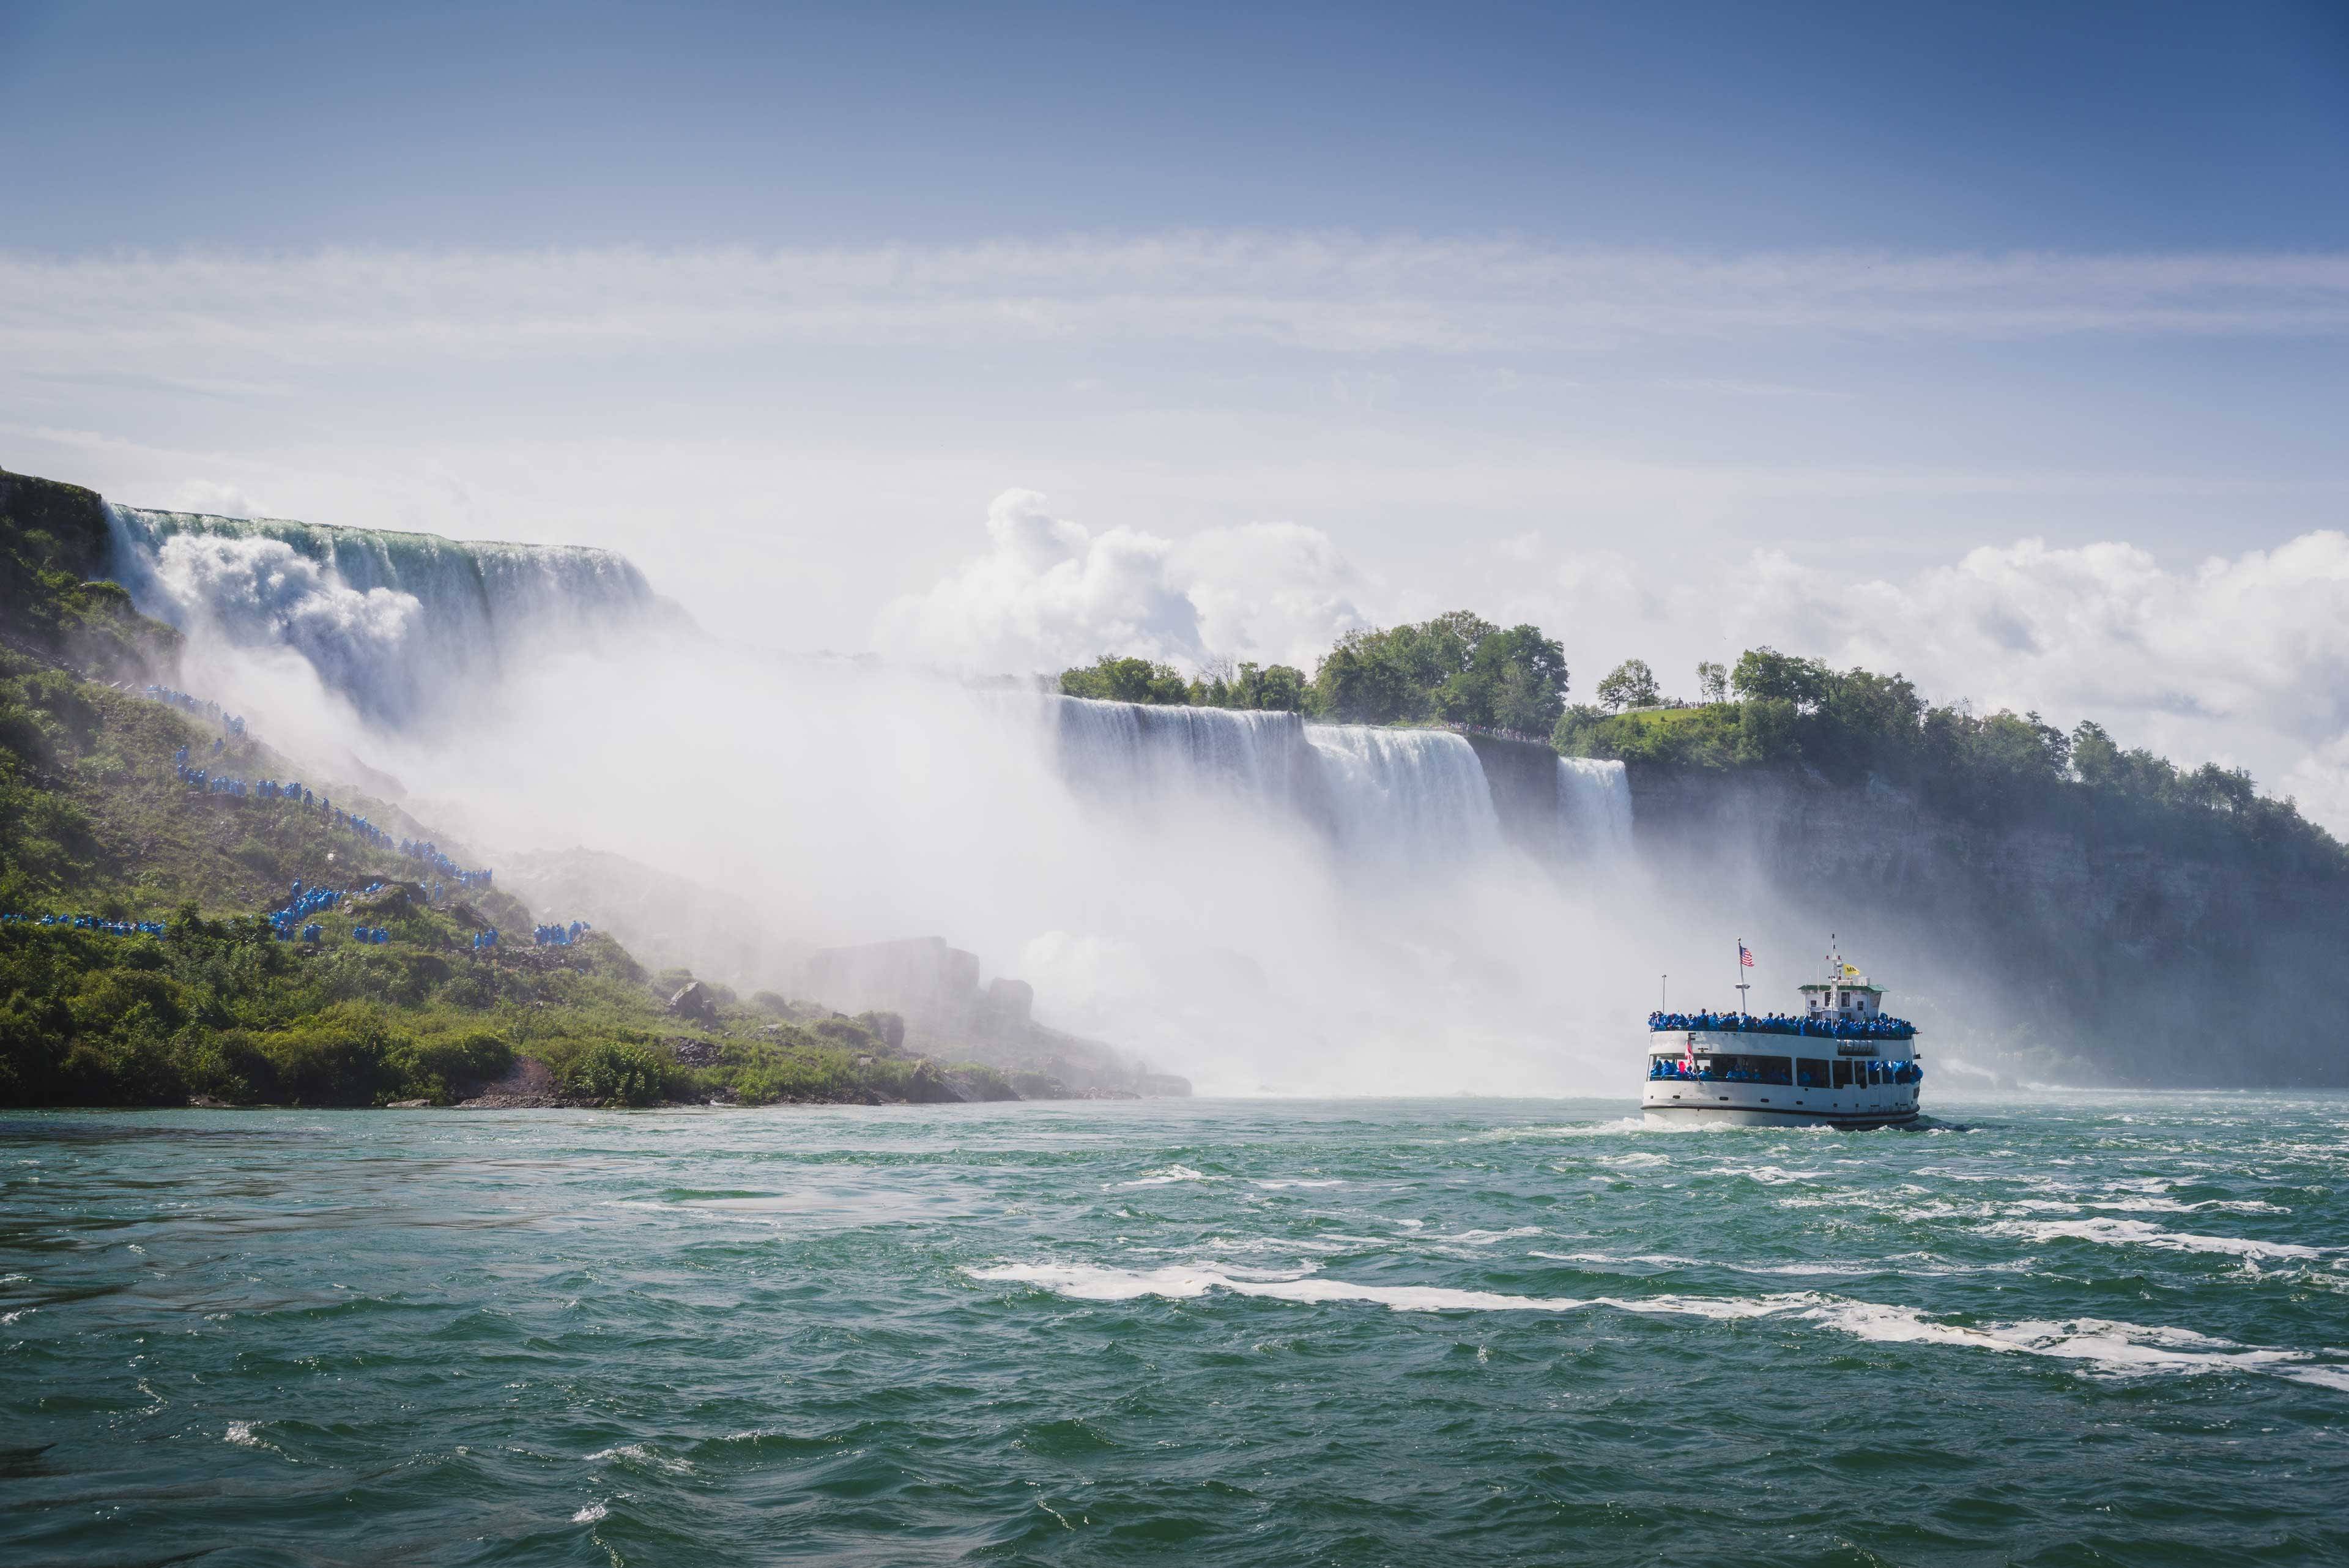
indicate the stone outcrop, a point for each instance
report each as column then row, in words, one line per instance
column 694, row 1002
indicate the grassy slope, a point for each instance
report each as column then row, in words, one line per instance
column 93, row 820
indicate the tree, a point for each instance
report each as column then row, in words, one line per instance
column 1364, row 680
column 1114, row 680
column 1631, row 684
column 1766, row 672
column 1712, row 681
column 1275, row 689
column 1765, row 731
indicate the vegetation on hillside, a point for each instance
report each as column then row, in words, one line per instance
column 221, row 1010
column 95, row 820
column 1850, row 726
column 53, row 601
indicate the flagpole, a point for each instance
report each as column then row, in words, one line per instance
column 1742, row 987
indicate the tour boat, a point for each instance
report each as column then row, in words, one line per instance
column 1843, row 1062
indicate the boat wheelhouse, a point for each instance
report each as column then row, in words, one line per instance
column 1841, row 1062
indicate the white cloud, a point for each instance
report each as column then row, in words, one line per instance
column 2242, row 659
column 1049, row 593
column 2260, row 639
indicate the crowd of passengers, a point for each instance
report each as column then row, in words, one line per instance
column 270, row 789
column 1705, row 1071
column 1884, row 1028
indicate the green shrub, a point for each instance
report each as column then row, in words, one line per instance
column 435, row 1069
column 612, row 1072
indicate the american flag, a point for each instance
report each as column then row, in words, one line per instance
column 1744, row 955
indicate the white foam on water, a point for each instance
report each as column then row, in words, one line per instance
column 1579, row 1129
column 590, row 1515
column 2140, row 1233
column 641, row 1455
column 9, row 1318
column 1775, row 1175
column 1673, row 1260
column 2172, row 1206
column 1091, row 1283
column 1486, row 1237
column 1170, row 1175
column 1298, row 1181
column 2120, row 1349
column 1638, row 1160
column 240, row 1434
column 1272, row 1244
column 1087, row 1281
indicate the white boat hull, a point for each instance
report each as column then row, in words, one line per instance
column 1718, row 1116
column 1820, row 1103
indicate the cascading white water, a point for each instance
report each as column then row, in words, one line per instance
column 1594, row 806
column 393, row 622
column 1413, row 796
column 1133, row 753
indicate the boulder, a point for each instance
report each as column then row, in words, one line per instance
column 694, row 1002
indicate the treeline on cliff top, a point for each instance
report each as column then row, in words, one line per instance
column 1458, row 669
column 93, row 820
column 1770, row 710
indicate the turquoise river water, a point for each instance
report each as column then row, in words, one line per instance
column 2108, row 1329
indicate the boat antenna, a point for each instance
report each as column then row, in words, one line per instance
column 1663, row 993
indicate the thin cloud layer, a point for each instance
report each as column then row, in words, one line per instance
column 1338, row 294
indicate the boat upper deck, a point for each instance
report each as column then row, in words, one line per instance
column 1880, row 1027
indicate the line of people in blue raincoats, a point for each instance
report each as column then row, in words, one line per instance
column 560, row 936
column 1678, row 1068
column 1884, row 1028
column 91, row 923
column 202, row 706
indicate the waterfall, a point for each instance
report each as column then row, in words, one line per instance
column 393, row 622
column 1384, row 795
column 1594, row 806
column 1404, row 794
column 1133, row 753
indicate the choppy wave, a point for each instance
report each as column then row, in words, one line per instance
column 2124, row 1349
column 2140, row 1233
column 917, row 1320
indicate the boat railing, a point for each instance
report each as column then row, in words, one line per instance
column 1802, row 1028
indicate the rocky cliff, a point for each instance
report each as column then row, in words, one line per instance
column 2052, row 948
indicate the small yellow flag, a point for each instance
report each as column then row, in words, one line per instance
column 1850, row 972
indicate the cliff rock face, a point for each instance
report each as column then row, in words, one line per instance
column 2041, row 950
column 1522, row 779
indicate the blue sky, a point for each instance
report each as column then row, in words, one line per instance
column 1672, row 327
column 1935, row 125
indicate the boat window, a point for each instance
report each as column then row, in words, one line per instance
column 1843, row 1074
column 1810, row 1074
column 1754, row 1069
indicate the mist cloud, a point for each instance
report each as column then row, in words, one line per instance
column 1050, row 592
